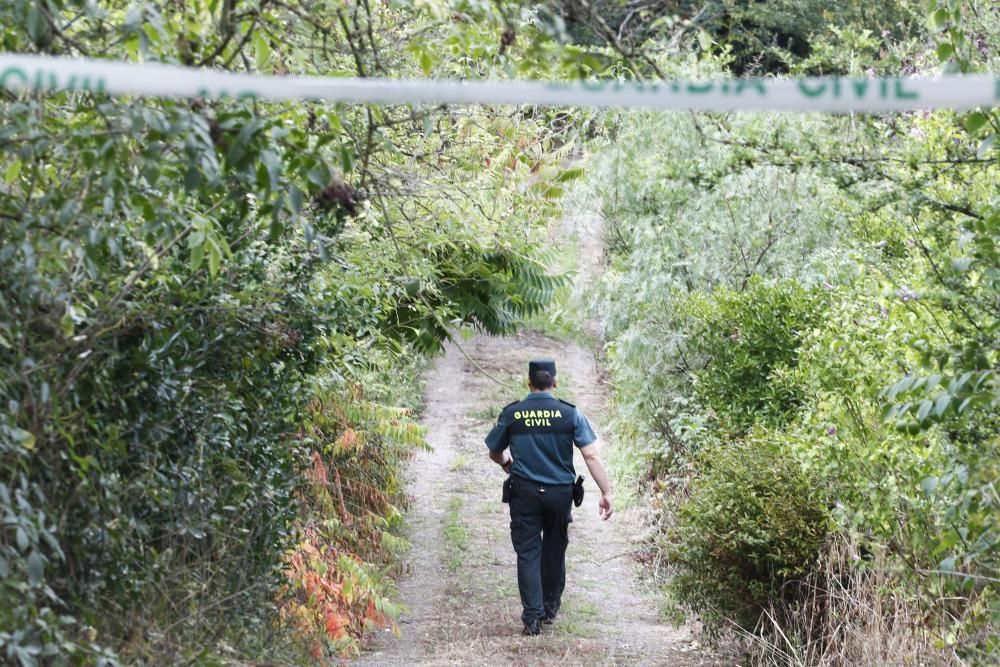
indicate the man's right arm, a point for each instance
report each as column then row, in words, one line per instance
column 497, row 442
column 592, row 458
column 502, row 459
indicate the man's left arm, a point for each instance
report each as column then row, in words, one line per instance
column 585, row 439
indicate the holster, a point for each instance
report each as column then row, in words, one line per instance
column 578, row 491
column 508, row 485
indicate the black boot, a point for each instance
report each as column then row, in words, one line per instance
column 533, row 628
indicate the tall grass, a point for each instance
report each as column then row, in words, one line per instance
column 845, row 615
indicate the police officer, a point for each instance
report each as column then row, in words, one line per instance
column 533, row 441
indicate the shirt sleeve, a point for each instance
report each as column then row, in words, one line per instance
column 497, row 439
column 583, row 434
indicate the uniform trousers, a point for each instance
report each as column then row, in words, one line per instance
column 539, row 528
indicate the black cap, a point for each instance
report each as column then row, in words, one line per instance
column 539, row 365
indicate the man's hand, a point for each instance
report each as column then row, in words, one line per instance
column 604, row 505
column 502, row 459
column 600, row 475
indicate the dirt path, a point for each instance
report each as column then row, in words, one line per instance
column 461, row 587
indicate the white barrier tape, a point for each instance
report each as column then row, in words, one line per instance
column 19, row 72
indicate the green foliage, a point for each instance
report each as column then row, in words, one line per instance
column 493, row 291
column 750, row 341
column 753, row 38
column 770, row 36
column 713, row 217
column 827, row 286
column 753, row 524
column 191, row 291
column 182, row 278
column 965, row 374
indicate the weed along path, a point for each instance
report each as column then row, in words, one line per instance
column 461, row 589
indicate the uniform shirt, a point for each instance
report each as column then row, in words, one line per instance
column 541, row 431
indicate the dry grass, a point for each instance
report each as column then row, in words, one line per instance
column 846, row 616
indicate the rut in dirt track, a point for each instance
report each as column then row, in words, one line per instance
column 461, row 588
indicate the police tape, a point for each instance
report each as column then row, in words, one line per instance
column 829, row 94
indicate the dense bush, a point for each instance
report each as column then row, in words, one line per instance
column 749, row 342
column 752, row 527
column 337, row 585
column 182, row 280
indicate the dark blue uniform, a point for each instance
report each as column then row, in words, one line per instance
column 541, row 432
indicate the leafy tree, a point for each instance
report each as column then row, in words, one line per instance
column 182, row 279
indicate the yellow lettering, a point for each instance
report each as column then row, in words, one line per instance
column 517, row 415
column 557, row 415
